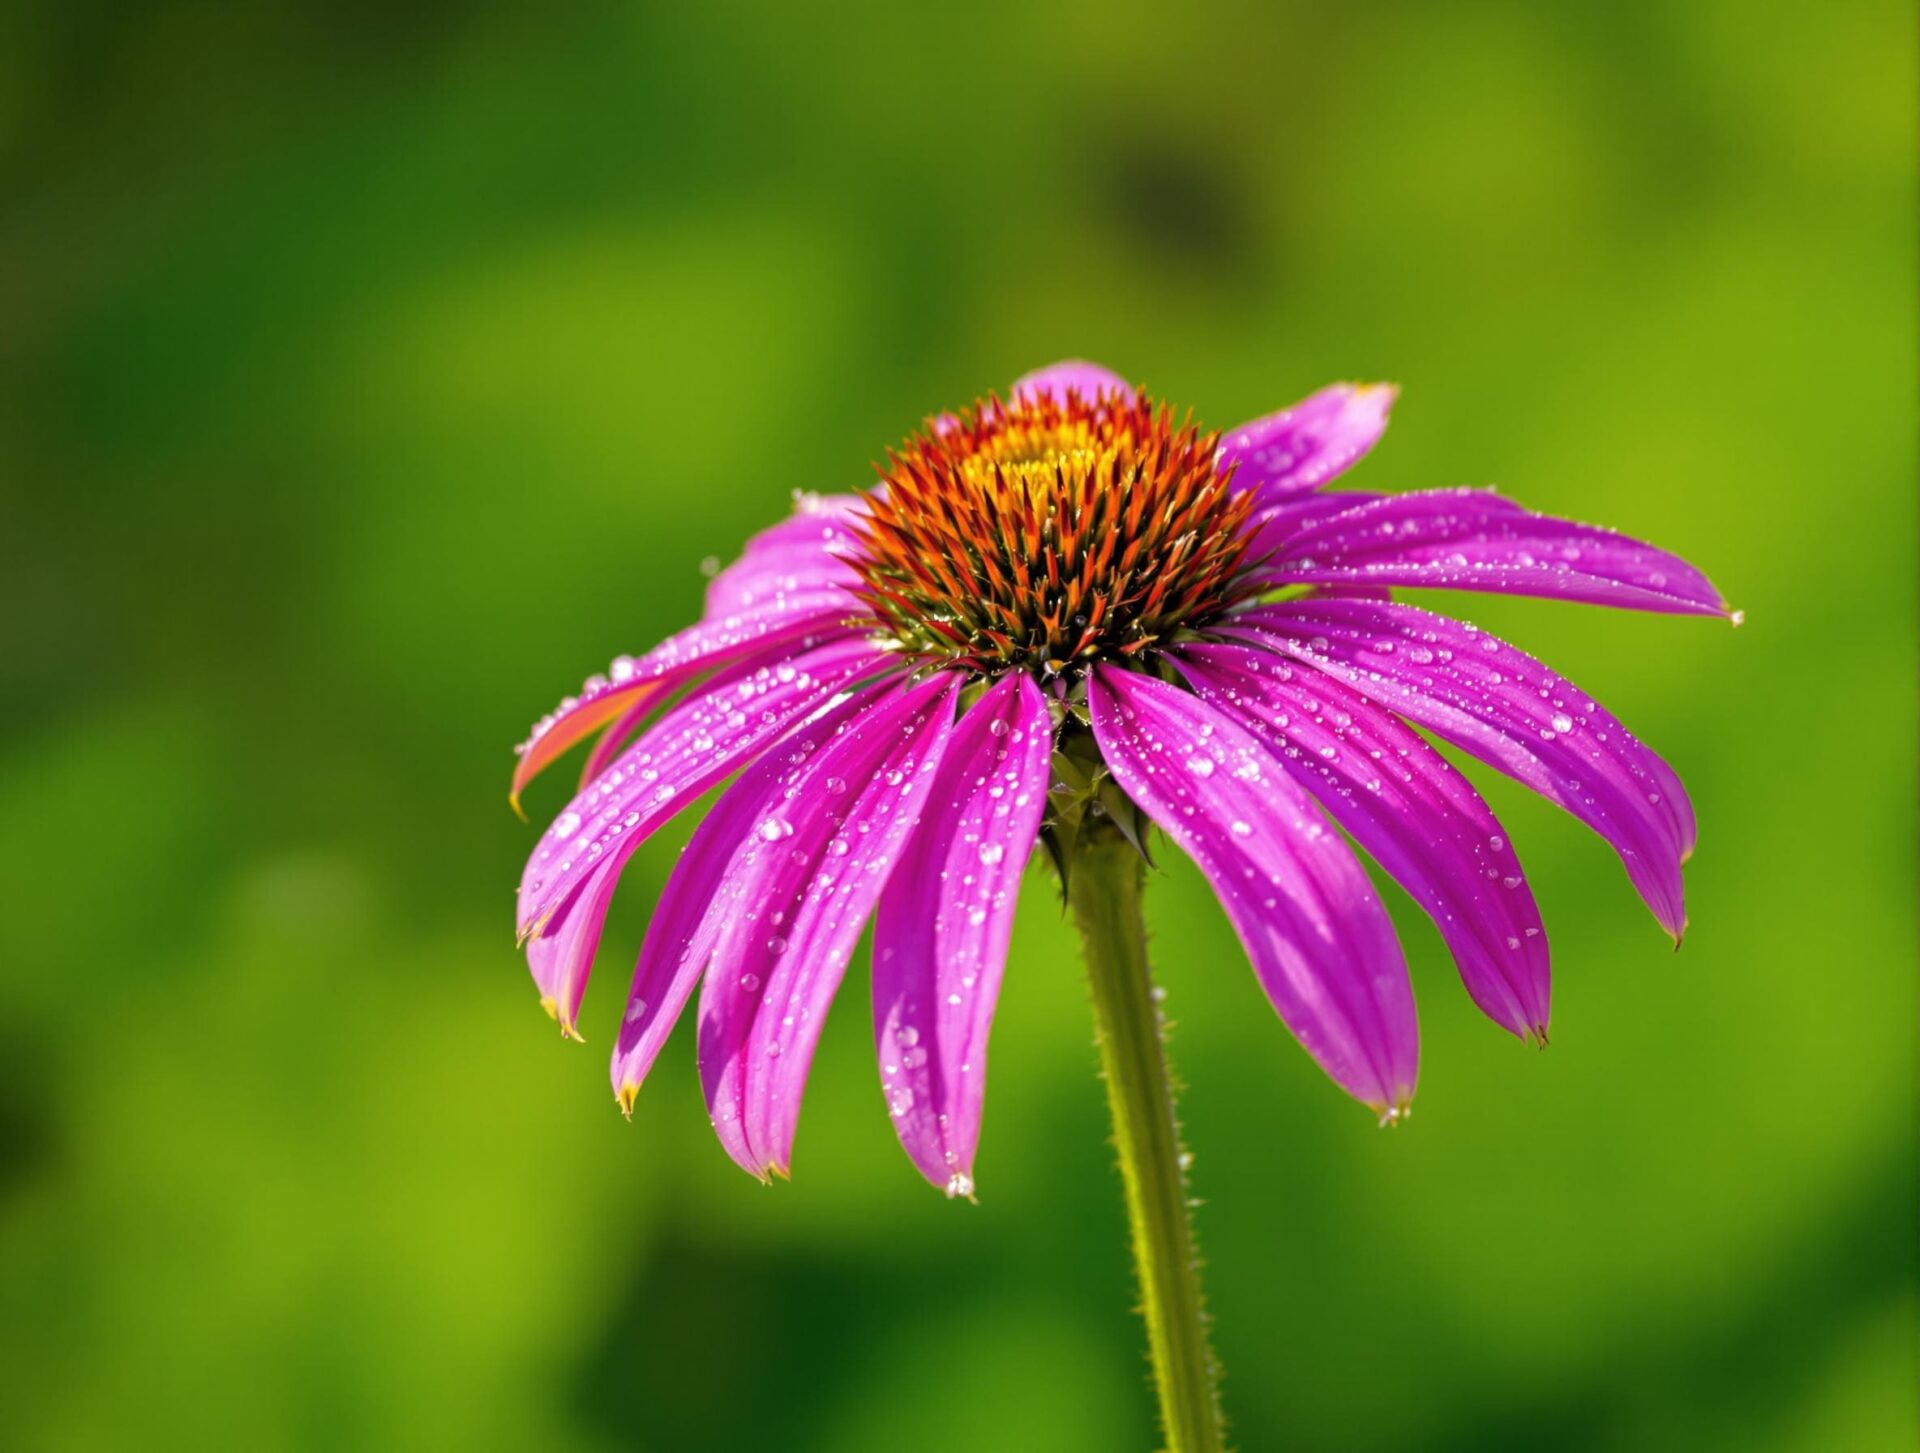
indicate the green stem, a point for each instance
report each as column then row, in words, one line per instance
column 1105, row 884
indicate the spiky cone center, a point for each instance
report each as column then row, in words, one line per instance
column 1044, row 535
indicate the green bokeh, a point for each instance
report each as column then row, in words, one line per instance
column 369, row 380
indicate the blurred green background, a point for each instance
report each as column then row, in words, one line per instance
column 370, row 376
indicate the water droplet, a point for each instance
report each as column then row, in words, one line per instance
column 991, row 853
column 567, row 826
column 1240, row 829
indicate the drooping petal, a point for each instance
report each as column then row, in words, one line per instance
column 1472, row 539
column 794, row 559
column 940, row 936
column 1319, row 940
column 1303, row 447
column 699, row 741
column 1506, row 708
column 561, row 955
column 1405, row 805
column 692, row 652
column 703, row 889
column 1089, row 380
column 795, row 903
column 615, row 737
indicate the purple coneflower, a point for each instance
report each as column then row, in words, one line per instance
column 1056, row 619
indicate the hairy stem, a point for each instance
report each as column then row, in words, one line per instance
column 1104, row 889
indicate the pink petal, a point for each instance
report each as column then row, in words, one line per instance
column 1057, row 381
column 1303, row 447
column 940, row 937
column 1509, row 710
column 1320, row 942
column 1407, row 807
column 1273, row 529
column 694, row 745
column 798, row 557
column 794, row 904
column 561, row 955
column 703, row 888
column 694, row 651
column 1469, row 539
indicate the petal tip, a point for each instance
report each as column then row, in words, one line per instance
column 1392, row 1115
column 513, row 801
column 960, row 1186
column 625, row 1096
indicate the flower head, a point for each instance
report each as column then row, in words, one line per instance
column 1071, row 605
column 1052, row 532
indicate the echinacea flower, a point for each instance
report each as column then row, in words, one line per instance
column 1069, row 608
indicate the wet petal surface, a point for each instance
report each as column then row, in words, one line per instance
column 1407, row 807
column 1320, row 942
column 793, row 907
column 940, row 937
column 1506, row 708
